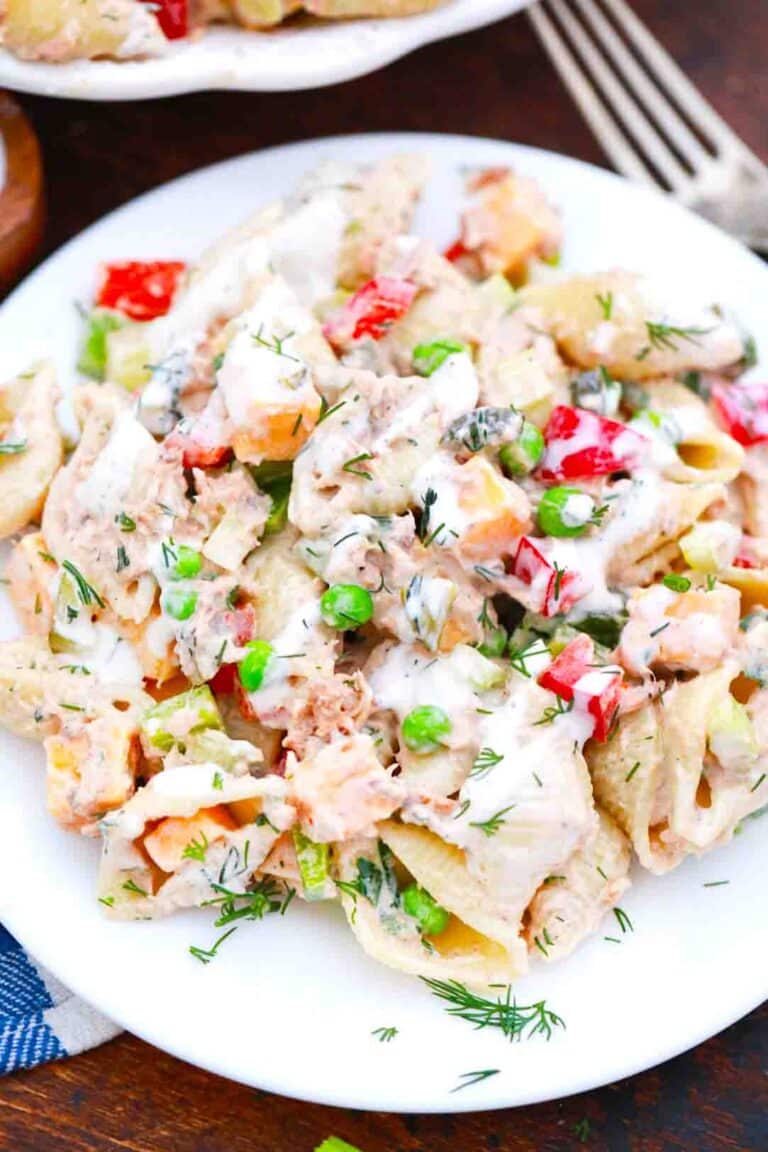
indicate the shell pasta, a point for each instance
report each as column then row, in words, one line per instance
column 432, row 585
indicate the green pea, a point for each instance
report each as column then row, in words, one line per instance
column 427, row 358
column 432, row 917
column 425, row 728
column 188, row 563
column 179, row 603
column 553, row 516
column 252, row 668
column 346, row 606
column 676, row 583
column 521, row 456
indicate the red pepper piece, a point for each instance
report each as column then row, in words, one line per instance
column 172, row 16
column 568, row 667
column 598, row 693
column 141, row 291
column 223, row 683
column 581, row 443
column 743, row 409
column 371, row 310
column 555, row 590
column 456, row 252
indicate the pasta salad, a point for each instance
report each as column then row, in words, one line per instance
column 56, row 31
column 431, row 584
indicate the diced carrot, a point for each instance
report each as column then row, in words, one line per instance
column 166, row 843
column 278, row 432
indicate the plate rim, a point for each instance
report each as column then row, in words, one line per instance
column 580, row 1082
column 103, row 80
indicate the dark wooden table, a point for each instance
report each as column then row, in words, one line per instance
column 494, row 82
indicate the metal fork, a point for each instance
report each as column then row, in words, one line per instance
column 652, row 122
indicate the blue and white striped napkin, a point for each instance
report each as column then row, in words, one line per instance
column 40, row 1019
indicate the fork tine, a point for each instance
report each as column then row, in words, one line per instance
column 620, row 150
column 652, row 96
column 679, row 86
column 621, row 101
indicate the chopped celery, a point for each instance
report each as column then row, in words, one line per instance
column 172, row 720
column 497, row 290
column 211, row 745
column 313, row 860
column 128, row 357
column 730, row 735
column 93, row 350
column 481, row 672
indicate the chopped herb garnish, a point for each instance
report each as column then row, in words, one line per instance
column 623, row 920
column 512, row 1019
column 125, row 523
column 384, row 1034
column 470, row 1078
column 205, row 955
column 606, row 304
column 657, row 631
column 348, row 466
column 716, row 883
column 492, row 825
column 484, row 761
column 107, row 900
column 86, row 591
column 123, row 560
column 12, row 449
column 132, row 886
column 631, row 772
column 196, row 849
column 428, row 501
column 325, row 411
column 549, row 715
column 218, row 781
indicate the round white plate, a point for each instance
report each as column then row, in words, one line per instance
column 289, row 1004
column 285, row 59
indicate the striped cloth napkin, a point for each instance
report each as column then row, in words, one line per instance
column 40, row 1019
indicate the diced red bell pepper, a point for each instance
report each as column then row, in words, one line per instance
column 223, row 683
column 172, row 16
column 596, row 691
column 569, row 666
column 141, row 291
column 581, row 443
column 555, row 590
column 371, row 310
column 743, row 409
column 205, row 442
column 456, row 251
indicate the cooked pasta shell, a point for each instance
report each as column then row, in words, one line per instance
column 392, row 938
column 569, row 906
column 28, row 409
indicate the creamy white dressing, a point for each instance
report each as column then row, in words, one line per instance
column 289, row 646
column 427, row 602
column 577, row 510
column 130, row 449
column 143, row 37
column 438, row 474
column 408, row 677
column 451, row 390
column 305, row 246
column 635, row 510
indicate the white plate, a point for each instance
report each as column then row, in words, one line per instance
column 294, row 57
column 289, row 1004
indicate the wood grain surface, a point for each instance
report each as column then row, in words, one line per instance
column 21, row 193
column 495, row 82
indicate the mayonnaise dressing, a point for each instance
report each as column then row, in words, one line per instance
column 129, row 449
column 306, row 244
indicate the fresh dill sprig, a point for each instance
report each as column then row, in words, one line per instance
column 484, row 761
column 492, row 825
column 518, row 656
column 513, row 1020
column 470, row 1078
column 205, row 955
column 606, row 304
column 196, row 849
column 623, row 920
column 86, row 592
column 549, row 715
column 384, row 1034
column 429, row 499
column 349, row 466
